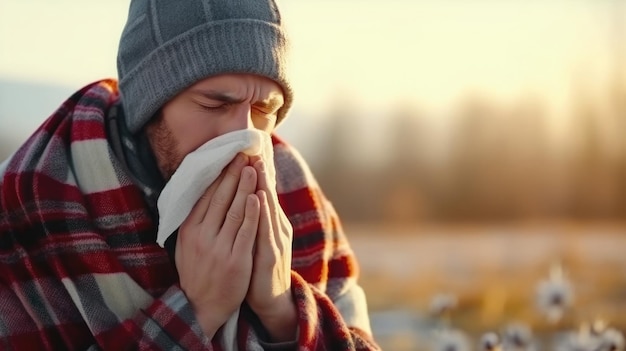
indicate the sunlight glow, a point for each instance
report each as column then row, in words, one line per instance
column 379, row 52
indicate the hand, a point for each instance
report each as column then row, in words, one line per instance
column 214, row 249
column 269, row 295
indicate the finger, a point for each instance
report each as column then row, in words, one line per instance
column 236, row 213
column 272, row 198
column 265, row 219
column 278, row 220
column 224, row 193
column 254, row 159
column 287, row 231
column 246, row 235
column 263, row 181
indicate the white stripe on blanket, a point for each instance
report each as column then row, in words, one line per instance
column 123, row 298
column 121, row 294
column 352, row 306
column 93, row 175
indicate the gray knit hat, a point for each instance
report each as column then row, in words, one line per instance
column 168, row 45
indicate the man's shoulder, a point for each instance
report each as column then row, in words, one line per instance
column 277, row 140
column 292, row 171
column 286, row 157
column 3, row 167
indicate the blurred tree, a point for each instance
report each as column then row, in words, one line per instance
column 473, row 160
column 354, row 192
column 410, row 192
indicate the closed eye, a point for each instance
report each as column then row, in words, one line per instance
column 263, row 111
column 213, row 108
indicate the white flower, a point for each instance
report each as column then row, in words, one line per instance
column 451, row 340
column 612, row 340
column 577, row 342
column 554, row 295
column 517, row 337
column 490, row 342
column 442, row 304
column 593, row 337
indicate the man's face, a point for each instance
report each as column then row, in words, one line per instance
column 210, row 108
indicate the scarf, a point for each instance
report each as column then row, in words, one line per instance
column 80, row 267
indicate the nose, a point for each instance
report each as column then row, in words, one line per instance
column 240, row 119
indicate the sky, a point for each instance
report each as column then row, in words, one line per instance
column 370, row 54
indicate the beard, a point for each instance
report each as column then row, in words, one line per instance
column 163, row 145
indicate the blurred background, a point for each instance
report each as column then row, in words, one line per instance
column 470, row 146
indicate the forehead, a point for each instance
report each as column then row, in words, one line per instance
column 240, row 86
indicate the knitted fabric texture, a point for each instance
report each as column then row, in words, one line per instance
column 80, row 268
column 168, row 45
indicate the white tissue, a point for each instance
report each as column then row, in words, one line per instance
column 201, row 167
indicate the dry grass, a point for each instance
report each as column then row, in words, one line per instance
column 494, row 272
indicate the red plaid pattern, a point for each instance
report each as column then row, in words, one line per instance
column 79, row 266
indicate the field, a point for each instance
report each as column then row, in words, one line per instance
column 493, row 271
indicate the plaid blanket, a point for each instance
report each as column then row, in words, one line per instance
column 80, row 268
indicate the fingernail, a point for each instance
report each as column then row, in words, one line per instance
column 261, row 165
column 247, row 172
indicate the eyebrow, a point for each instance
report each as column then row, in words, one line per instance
column 219, row 96
column 272, row 104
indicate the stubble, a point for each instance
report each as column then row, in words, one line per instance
column 163, row 145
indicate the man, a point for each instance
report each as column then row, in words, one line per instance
column 259, row 262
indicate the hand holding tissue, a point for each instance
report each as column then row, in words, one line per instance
column 201, row 168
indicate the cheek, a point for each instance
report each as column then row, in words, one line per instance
column 192, row 130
